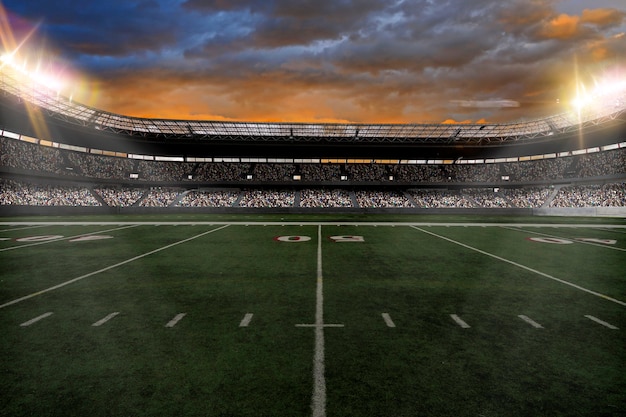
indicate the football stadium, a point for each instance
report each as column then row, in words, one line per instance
column 172, row 267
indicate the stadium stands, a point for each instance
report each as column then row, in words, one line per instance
column 41, row 175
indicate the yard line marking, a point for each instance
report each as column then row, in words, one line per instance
column 543, row 274
column 604, row 323
column 318, row 403
column 71, row 281
column 36, row 319
column 175, row 320
column 530, row 321
column 388, row 320
column 459, row 321
column 105, row 319
column 64, row 238
column 246, row 320
column 22, row 228
column 573, row 239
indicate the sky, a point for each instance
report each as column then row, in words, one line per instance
column 323, row 61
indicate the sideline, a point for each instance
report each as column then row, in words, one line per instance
column 314, row 223
column 543, row 274
column 71, row 281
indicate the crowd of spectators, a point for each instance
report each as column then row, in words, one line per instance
column 606, row 195
column 528, row 197
column 267, row 198
column 440, row 199
column 382, row 199
column 100, row 166
column 61, row 162
column 29, row 193
column 320, row 172
column 120, row 196
column 28, row 156
column 216, row 198
column 221, row 171
column 367, row 172
column 273, row 172
column 325, row 198
column 486, row 197
column 160, row 197
column 164, row 170
column 14, row 193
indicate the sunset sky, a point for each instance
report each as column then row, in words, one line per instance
column 365, row 61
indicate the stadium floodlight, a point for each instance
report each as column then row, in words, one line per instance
column 604, row 93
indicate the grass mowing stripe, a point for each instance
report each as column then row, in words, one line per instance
column 543, row 274
column 36, row 319
column 63, row 284
column 568, row 238
column 66, row 238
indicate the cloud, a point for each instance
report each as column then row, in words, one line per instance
column 603, row 17
column 343, row 60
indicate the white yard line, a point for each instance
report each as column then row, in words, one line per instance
column 602, row 322
column 543, row 274
column 66, row 238
column 36, row 319
column 318, row 402
column 245, row 322
column 71, row 281
column 530, row 321
column 459, row 321
column 175, row 320
column 388, row 320
column 21, row 228
column 105, row 319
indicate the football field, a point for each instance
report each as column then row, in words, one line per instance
column 288, row 317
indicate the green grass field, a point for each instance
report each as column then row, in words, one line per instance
column 213, row 316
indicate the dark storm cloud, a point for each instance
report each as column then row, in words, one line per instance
column 367, row 60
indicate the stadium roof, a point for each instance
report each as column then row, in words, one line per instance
column 26, row 88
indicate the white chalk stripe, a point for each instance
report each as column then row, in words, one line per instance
column 105, row 319
column 388, row 320
column 562, row 281
column 459, row 321
column 36, row 319
column 246, row 320
column 71, row 281
column 175, row 320
column 530, row 321
column 602, row 322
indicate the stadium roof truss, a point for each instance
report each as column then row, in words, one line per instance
column 62, row 108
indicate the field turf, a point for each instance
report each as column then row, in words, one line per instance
column 258, row 316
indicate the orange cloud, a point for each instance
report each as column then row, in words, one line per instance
column 562, row 27
column 603, row 17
